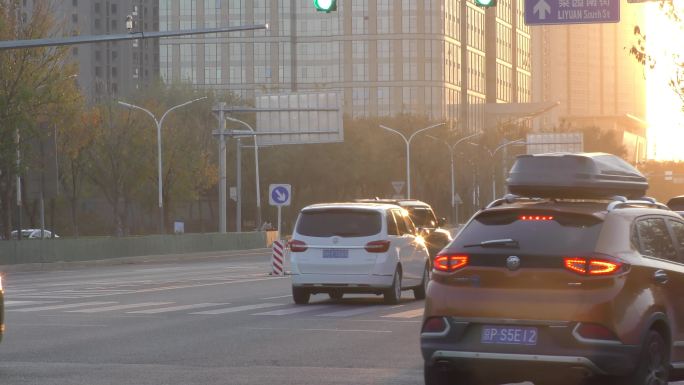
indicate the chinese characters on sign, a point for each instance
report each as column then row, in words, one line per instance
column 538, row 12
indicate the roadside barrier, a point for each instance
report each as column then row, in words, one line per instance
column 278, row 257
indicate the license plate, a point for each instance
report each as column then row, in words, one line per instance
column 335, row 253
column 507, row 335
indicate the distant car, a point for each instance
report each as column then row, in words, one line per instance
column 34, row 234
column 677, row 204
column 422, row 215
column 370, row 248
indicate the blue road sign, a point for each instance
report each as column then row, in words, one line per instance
column 280, row 194
column 540, row 12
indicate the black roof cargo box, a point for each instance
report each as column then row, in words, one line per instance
column 582, row 176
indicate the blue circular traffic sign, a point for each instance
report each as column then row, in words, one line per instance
column 280, row 195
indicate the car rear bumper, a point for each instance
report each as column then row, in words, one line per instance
column 558, row 351
column 359, row 283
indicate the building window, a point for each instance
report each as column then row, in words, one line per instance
column 113, row 9
column 74, row 3
column 74, row 18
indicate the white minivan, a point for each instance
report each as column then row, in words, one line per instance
column 340, row 248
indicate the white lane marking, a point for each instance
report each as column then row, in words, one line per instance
column 279, row 297
column 176, row 308
column 354, row 311
column 22, row 303
column 295, row 310
column 63, row 306
column 118, row 307
column 406, row 314
column 239, row 308
column 325, row 330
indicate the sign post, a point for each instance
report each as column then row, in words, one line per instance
column 542, row 12
column 280, row 195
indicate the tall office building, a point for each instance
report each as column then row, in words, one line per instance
column 385, row 56
column 111, row 69
column 589, row 70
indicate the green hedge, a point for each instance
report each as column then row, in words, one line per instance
column 98, row 248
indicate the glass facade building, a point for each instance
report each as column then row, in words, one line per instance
column 385, row 56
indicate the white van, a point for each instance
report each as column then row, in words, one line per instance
column 340, row 248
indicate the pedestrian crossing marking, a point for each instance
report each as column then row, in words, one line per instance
column 295, row 310
column 177, row 308
column 353, row 312
column 61, row 307
column 239, row 308
column 406, row 314
column 22, row 303
column 118, row 307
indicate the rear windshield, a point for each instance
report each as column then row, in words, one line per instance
column 538, row 233
column 339, row 222
column 422, row 217
column 676, row 204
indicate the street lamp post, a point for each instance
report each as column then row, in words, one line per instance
column 452, row 148
column 492, row 154
column 256, row 162
column 408, row 151
column 159, row 150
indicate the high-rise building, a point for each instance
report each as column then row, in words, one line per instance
column 116, row 69
column 385, row 56
column 589, row 70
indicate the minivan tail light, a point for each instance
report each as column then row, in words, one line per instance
column 592, row 266
column 450, row 262
column 377, row 246
column 297, row 246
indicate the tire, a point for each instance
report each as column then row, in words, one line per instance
column 336, row 295
column 300, row 296
column 420, row 290
column 393, row 294
column 654, row 363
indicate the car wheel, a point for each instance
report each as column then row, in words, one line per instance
column 654, row 362
column 336, row 295
column 393, row 294
column 301, row 296
column 420, row 290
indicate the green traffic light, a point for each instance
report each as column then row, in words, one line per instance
column 325, row 5
column 485, row 3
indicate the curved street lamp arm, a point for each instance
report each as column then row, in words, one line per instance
column 179, row 106
column 425, row 129
column 396, row 132
column 239, row 121
column 145, row 110
column 466, row 138
column 507, row 144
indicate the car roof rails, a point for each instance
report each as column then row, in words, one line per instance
column 512, row 198
column 620, row 202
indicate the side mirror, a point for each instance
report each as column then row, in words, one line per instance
column 441, row 222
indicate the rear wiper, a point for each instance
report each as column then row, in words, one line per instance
column 496, row 243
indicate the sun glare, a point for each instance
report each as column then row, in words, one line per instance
column 665, row 116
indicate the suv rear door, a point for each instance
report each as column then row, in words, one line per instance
column 517, row 256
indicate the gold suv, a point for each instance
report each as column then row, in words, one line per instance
column 559, row 291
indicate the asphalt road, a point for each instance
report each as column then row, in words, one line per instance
column 219, row 321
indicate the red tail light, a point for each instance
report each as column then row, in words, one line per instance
column 595, row 332
column 434, row 325
column 592, row 266
column 377, row 246
column 297, row 246
column 450, row 262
